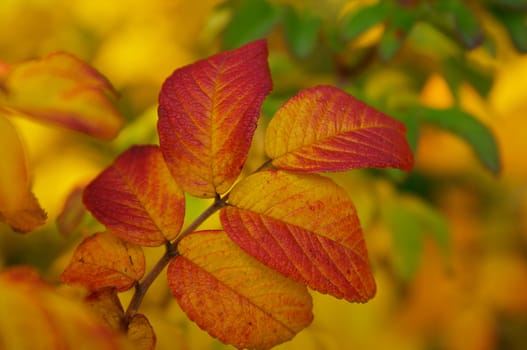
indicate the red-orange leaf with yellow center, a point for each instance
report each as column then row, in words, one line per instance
column 304, row 226
column 208, row 113
column 104, row 260
column 62, row 89
column 137, row 199
column 326, row 129
column 233, row 296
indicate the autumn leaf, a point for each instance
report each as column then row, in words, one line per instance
column 63, row 90
column 104, row 260
column 141, row 333
column 34, row 316
column 137, row 199
column 72, row 213
column 234, row 297
column 207, row 117
column 106, row 304
column 18, row 206
column 326, row 129
column 304, row 226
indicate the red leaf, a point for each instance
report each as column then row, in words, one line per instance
column 207, row 117
column 305, row 227
column 326, row 129
column 104, row 260
column 233, row 296
column 137, row 199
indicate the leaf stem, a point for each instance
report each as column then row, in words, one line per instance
column 219, row 202
column 170, row 253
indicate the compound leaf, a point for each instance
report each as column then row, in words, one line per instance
column 207, row 117
column 137, row 199
column 233, row 296
column 103, row 260
column 326, row 129
column 304, row 226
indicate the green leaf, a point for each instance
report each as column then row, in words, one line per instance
column 516, row 25
column 301, row 32
column 407, row 238
column 437, row 226
column 409, row 220
column 475, row 133
column 400, row 24
column 253, row 19
column 509, row 4
column 412, row 128
column 459, row 70
column 428, row 38
column 463, row 21
column 366, row 17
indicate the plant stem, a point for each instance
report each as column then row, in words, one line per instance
column 170, row 253
column 219, row 202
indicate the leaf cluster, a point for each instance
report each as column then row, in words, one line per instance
column 401, row 43
column 284, row 227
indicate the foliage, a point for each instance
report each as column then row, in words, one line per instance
column 301, row 225
column 446, row 242
column 394, row 28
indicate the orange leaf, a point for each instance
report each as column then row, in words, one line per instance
column 103, row 260
column 137, row 199
column 33, row 316
column 18, row 206
column 141, row 333
column 326, row 129
column 234, row 297
column 303, row 226
column 64, row 90
column 107, row 305
column 207, row 117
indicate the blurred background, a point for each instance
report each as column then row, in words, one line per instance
column 448, row 242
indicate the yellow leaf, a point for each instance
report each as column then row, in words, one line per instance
column 33, row 317
column 18, row 206
column 64, row 90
